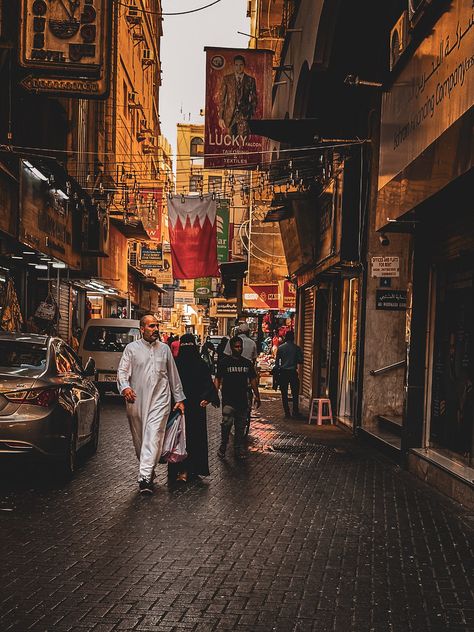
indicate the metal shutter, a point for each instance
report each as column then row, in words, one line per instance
column 64, row 325
column 308, row 345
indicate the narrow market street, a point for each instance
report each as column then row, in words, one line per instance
column 314, row 531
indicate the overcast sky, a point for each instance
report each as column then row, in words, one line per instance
column 183, row 59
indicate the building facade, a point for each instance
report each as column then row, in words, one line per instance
column 383, row 269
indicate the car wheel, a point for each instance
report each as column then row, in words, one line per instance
column 69, row 458
column 91, row 447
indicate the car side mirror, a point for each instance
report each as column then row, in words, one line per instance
column 89, row 369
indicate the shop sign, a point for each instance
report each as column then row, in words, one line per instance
column 221, row 307
column 167, row 300
column 261, row 296
column 434, row 90
column 238, row 88
column 8, row 204
column 287, row 295
column 166, row 314
column 46, row 218
column 222, row 224
column 391, row 300
column 184, row 298
column 385, row 267
column 151, row 257
column 66, row 45
column 203, row 288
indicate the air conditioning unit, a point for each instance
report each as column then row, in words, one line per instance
column 133, row 253
column 144, row 127
column 148, row 148
column 399, row 39
column 148, row 57
column 133, row 100
column 133, row 14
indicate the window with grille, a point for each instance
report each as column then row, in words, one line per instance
column 197, row 146
column 215, row 183
column 195, row 184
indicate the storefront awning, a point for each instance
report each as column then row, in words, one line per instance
column 291, row 131
column 131, row 230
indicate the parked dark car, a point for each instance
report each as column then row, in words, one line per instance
column 48, row 402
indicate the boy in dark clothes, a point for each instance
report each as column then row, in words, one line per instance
column 234, row 374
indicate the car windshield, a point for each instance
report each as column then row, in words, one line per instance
column 109, row 338
column 22, row 357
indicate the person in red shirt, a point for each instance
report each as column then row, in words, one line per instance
column 175, row 347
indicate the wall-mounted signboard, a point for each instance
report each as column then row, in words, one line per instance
column 391, row 300
column 66, row 45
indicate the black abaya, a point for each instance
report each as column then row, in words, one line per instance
column 198, row 386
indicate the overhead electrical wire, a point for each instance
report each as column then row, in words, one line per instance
column 161, row 13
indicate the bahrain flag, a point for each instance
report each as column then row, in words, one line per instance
column 192, row 228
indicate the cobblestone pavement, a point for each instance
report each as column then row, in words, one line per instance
column 312, row 532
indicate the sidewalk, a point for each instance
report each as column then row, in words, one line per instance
column 314, row 531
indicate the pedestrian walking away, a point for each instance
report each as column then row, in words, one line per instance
column 147, row 377
column 288, row 356
column 200, row 391
column 234, row 375
column 249, row 348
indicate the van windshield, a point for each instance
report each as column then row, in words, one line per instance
column 109, row 338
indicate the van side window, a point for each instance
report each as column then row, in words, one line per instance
column 109, row 338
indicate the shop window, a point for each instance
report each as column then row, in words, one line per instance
column 215, row 183
column 195, row 184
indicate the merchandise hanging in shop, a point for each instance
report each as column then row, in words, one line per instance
column 11, row 318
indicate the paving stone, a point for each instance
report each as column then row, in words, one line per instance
column 315, row 531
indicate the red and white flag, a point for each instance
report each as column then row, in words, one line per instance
column 192, row 228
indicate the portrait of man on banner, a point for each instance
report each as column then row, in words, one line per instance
column 238, row 90
column 238, row 100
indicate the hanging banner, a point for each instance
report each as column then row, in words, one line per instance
column 192, row 228
column 150, row 210
column 203, row 288
column 238, row 88
column 223, row 216
column 164, row 274
column 287, row 295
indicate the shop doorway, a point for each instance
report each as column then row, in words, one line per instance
column 452, row 392
column 347, row 350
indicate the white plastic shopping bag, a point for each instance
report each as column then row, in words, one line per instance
column 174, row 444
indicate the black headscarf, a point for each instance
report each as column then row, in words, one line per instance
column 193, row 371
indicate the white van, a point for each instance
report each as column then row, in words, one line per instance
column 104, row 340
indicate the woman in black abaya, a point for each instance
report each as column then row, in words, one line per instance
column 200, row 391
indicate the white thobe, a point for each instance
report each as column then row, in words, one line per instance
column 149, row 369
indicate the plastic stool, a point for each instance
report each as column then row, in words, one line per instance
column 317, row 411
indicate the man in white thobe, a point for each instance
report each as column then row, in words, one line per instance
column 147, row 377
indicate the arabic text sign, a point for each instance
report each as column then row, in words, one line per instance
column 238, row 88
column 385, row 266
column 434, row 90
column 391, row 300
